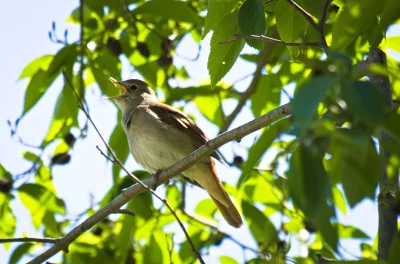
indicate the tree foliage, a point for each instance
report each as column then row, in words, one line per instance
column 326, row 156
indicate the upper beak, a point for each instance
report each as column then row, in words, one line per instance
column 121, row 88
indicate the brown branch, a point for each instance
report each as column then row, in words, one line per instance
column 323, row 16
column 272, row 40
column 388, row 187
column 164, row 176
column 43, row 256
column 30, row 239
column 310, row 20
column 252, row 87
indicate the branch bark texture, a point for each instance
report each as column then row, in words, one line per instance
column 387, row 187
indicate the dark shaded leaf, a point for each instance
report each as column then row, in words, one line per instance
column 251, row 21
column 363, row 101
column 170, row 9
column 355, row 162
column 307, row 98
column 308, row 185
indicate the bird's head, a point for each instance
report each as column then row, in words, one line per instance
column 132, row 93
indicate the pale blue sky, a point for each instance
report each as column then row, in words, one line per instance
column 25, row 25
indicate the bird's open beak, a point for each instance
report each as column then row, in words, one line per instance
column 121, row 88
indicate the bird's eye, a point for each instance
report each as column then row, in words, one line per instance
column 133, row 87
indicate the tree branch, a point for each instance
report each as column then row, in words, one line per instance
column 30, row 239
column 252, row 87
column 272, row 40
column 164, row 176
column 387, row 229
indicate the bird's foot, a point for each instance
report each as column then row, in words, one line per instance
column 156, row 178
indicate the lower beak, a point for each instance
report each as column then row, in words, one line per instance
column 121, row 88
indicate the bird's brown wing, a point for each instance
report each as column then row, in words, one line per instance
column 182, row 122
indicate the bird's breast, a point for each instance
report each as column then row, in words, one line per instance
column 156, row 145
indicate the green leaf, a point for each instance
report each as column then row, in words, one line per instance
column 251, row 21
column 223, row 56
column 173, row 196
column 313, row 7
column 339, row 199
column 227, row 260
column 65, row 112
column 307, row 98
column 351, row 232
column 206, row 208
column 152, row 252
column 19, row 252
column 149, row 72
column 4, row 174
column 356, row 163
column 7, row 219
column 169, row 9
column 364, row 102
column 210, row 107
column 37, row 86
column 42, row 79
column 42, row 63
column 260, row 226
column 352, row 20
column 308, row 185
column 261, row 146
column 143, row 206
column 37, row 199
column 217, row 10
column 394, row 255
column 119, row 144
column 389, row 14
column 127, row 231
column 392, row 125
column 103, row 66
column 267, row 95
column 290, row 23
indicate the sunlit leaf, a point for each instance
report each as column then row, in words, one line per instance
column 217, row 10
column 353, row 19
column 223, row 56
column 37, row 199
column 42, row 63
column 267, row 95
column 210, row 107
column 260, row 226
column 290, row 23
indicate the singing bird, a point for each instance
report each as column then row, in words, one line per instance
column 160, row 135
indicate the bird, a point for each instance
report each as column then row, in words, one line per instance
column 160, row 135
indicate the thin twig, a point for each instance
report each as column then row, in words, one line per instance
column 252, row 87
column 310, row 20
column 273, row 40
column 125, row 211
column 323, row 16
column 30, row 239
column 164, row 176
column 137, row 180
